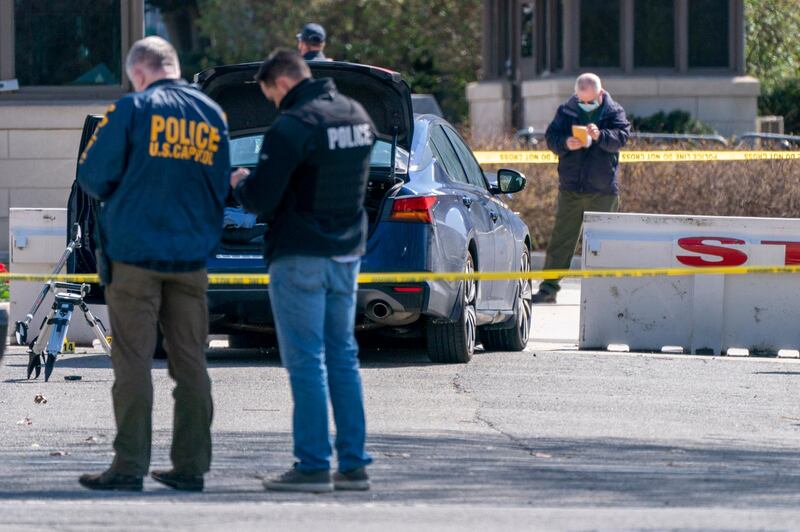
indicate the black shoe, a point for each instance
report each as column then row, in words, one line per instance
column 178, row 481
column 108, row 480
column 353, row 480
column 296, row 480
column 543, row 297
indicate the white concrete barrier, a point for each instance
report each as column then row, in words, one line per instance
column 37, row 239
column 705, row 314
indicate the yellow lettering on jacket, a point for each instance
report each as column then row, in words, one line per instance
column 157, row 125
column 172, row 130
column 201, row 138
column 183, row 139
column 213, row 139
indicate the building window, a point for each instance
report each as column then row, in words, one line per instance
column 599, row 33
column 557, row 35
column 709, row 38
column 654, row 33
column 526, row 39
column 67, row 42
column 550, row 21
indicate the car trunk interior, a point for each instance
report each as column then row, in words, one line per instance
column 383, row 95
column 382, row 184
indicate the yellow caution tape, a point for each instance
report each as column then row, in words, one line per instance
column 419, row 277
column 687, row 156
column 518, row 157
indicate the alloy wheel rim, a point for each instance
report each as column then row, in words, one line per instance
column 470, row 315
column 525, row 300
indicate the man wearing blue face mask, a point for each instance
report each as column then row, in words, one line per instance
column 587, row 134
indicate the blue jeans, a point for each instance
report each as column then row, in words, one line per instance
column 314, row 304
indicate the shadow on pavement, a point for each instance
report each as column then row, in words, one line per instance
column 452, row 468
column 370, row 357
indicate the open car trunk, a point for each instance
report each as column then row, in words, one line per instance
column 384, row 95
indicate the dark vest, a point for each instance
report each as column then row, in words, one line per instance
column 322, row 213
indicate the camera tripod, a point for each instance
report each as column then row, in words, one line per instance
column 47, row 345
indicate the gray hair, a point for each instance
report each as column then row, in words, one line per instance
column 156, row 54
column 588, row 80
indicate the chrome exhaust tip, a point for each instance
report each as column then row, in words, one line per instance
column 379, row 310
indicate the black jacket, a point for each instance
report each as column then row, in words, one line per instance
column 312, row 174
column 592, row 169
column 315, row 55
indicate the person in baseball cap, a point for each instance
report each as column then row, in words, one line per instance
column 311, row 41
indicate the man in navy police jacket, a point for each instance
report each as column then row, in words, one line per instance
column 159, row 164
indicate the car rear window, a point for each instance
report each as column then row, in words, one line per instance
column 245, row 150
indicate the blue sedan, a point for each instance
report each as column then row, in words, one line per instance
column 431, row 208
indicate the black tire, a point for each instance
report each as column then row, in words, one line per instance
column 514, row 338
column 250, row 341
column 454, row 342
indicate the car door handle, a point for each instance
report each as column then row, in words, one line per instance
column 467, row 201
column 493, row 215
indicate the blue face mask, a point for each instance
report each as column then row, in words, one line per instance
column 589, row 107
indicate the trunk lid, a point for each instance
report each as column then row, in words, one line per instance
column 383, row 93
column 82, row 209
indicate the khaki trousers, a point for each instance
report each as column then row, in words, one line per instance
column 139, row 301
column 567, row 229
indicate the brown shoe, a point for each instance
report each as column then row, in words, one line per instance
column 109, row 480
column 179, row 481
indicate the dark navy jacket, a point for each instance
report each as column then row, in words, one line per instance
column 159, row 162
column 315, row 55
column 594, row 169
column 312, row 175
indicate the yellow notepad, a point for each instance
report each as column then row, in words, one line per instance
column 581, row 133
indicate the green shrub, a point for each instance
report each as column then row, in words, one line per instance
column 676, row 121
column 783, row 99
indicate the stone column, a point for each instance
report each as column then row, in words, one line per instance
column 489, row 110
column 571, row 36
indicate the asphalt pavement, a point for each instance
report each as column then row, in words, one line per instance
column 550, row 438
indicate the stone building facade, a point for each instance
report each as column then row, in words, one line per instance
column 653, row 55
column 67, row 58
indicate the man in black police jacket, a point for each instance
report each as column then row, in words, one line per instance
column 309, row 187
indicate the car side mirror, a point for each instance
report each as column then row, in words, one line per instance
column 509, row 182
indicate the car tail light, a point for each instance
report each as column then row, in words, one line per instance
column 413, row 209
column 407, row 289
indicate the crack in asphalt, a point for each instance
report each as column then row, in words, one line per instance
column 460, row 387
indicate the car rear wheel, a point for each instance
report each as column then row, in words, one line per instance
column 516, row 337
column 454, row 342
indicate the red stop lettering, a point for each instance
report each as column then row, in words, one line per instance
column 792, row 250
column 697, row 244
